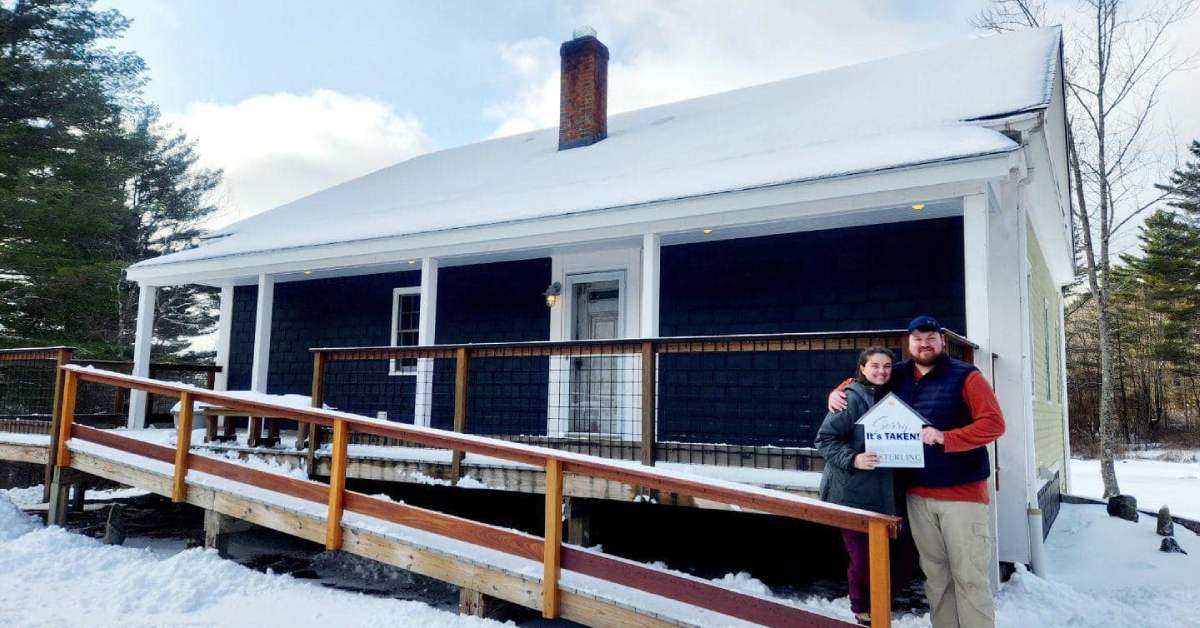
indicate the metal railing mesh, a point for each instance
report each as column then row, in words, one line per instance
column 729, row 401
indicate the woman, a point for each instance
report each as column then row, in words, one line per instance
column 852, row 478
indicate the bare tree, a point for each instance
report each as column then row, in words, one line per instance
column 1116, row 64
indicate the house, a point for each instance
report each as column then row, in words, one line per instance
column 852, row 199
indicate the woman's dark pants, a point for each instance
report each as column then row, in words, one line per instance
column 858, row 573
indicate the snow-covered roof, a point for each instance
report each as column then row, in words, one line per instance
column 918, row 108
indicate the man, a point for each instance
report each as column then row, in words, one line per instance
column 947, row 499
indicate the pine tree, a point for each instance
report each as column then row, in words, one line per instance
column 170, row 200
column 1184, row 187
column 90, row 183
column 63, row 161
column 1168, row 272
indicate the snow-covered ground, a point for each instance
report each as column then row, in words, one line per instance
column 52, row 577
column 1153, row 482
column 1103, row 572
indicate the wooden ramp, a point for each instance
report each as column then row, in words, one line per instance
column 543, row 573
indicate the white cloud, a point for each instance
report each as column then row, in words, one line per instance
column 675, row 50
column 279, row 147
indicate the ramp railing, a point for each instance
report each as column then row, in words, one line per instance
column 547, row 549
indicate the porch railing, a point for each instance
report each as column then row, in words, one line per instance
column 547, row 549
column 31, row 391
column 740, row 401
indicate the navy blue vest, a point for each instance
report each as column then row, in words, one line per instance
column 938, row 396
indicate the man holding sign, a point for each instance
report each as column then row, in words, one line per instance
column 947, row 502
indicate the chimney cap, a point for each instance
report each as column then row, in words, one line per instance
column 583, row 31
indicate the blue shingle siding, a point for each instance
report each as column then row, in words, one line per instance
column 813, row 281
column 241, row 337
column 837, row 280
column 499, row 302
column 347, row 311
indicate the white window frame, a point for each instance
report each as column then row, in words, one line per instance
column 393, row 368
column 1046, row 349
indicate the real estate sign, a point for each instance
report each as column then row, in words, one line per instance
column 893, row 430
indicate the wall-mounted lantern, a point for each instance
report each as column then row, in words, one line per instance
column 552, row 293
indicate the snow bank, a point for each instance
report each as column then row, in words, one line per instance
column 13, row 522
column 117, row 586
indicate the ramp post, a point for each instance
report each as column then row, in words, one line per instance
column 553, row 536
column 60, row 488
column 311, row 430
column 649, row 371
column 462, row 365
column 337, row 486
column 183, row 443
column 62, row 358
column 62, row 455
column 881, row 575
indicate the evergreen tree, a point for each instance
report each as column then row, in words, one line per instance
column 170, row 200
column 1168, row 274
column 90, row 183
column 1184, row 187
column 64, row 159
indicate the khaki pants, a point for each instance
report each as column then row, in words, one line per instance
column 955, row 547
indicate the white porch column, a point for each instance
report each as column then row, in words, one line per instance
column 262, row 333
column 426, row 335
column 651, row 245
column 976, row 258
column 143, row 338
column 1011, row 377
column 224, row 328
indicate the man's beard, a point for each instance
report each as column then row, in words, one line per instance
column 927, row 361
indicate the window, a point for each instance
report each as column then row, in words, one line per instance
column 1046, row 348
column 406, row 326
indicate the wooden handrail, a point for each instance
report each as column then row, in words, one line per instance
column 552, row 553
column 773, row 502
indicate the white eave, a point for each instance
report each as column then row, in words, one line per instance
column 815, row 198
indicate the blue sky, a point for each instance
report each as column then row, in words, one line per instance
column 289, row 97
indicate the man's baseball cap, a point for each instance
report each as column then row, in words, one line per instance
column 924, row 323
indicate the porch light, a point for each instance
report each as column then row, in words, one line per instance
column 707, row 232
column 308, row 272
column 918, row 206
column 552, row 293
column 412, row 261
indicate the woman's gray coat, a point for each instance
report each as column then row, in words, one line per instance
column 839, row 440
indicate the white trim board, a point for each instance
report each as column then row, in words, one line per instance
column 889, row 188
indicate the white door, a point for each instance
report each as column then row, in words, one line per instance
column 595, row 395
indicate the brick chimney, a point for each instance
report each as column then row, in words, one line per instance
column 583, row 105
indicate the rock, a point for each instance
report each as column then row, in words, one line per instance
column 1169, row 544
column 1166, row 527
column 114, row 528
column 1123, row 506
